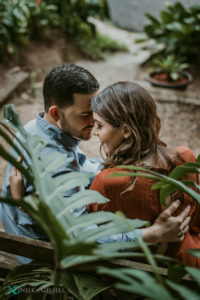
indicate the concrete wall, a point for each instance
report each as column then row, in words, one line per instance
column 129, row 14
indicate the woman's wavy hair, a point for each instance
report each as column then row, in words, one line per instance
column 127, row 103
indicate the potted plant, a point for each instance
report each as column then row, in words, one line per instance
column 176, row 31
column 169, row 73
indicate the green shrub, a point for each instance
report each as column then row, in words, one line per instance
column 97, row 8
column 20, row 20
column 177, row 31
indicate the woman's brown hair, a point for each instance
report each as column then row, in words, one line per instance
column 127, row 103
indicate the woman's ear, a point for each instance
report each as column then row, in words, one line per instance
column 54, row 112
column 126, row 131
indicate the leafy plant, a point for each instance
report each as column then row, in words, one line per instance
column 79, row 261
column 23, row 20
column 75, row 22
column 169, row 184
column 176, row 32
column 75, row 247
column 171, row 65
column 97, row 8
column 20, row 20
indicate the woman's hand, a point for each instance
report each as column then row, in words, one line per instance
column 16, row 183
column 167, row 228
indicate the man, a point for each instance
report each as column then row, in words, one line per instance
column 67, row 92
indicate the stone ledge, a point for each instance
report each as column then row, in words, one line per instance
column 171, row 96
column 12, row 81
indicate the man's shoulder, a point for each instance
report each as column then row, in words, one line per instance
column 31, row 127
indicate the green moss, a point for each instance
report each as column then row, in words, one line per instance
column 99, row 45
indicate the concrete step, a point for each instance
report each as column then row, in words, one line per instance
column 12, row 81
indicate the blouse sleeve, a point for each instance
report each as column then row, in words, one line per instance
column 97, row 185
column 192, row 238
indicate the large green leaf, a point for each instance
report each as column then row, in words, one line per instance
column 194, row 273
column 176, row 272
column 12, row 118
column 9, row 141
column 138, row 282
column 184, row 292
column 34, row 274
column 194, row 252
column 165, row 192
column 161, row 184
column 159, row 177
column 7, row 156
column 89, row 286
column 185, row 169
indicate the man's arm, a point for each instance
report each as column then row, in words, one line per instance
column 166, row 227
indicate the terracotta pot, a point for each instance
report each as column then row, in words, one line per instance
column 159, row 79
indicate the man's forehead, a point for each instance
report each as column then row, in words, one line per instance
column 83, row 101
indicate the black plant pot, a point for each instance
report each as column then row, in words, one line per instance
column 170, row 84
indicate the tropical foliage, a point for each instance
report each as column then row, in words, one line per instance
column 74, row 246
column 169, row 184
column 23, row 20
column 79, row 261
column 176, row 32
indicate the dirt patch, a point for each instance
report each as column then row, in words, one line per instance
column 42, row 55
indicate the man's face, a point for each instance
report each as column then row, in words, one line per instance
column 77, row 119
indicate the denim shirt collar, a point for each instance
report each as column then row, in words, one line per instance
column 56, row 133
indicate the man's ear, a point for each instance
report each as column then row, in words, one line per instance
column 126, row 131
column 54, row 112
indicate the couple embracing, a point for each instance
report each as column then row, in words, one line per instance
column 124, row 117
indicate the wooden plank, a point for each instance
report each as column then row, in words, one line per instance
column 146, row 268
column 27, row 247
column 8, row 258
column 43, row 251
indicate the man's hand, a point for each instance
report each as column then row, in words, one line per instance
column 16, row 183
column 167, row 228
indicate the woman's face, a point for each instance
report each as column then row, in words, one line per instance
column 109, row 136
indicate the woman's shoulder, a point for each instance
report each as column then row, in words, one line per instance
column 106, row 175
column 186, row 153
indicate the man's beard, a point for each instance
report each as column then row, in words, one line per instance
column 83, row 134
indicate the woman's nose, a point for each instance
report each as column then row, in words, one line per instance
column 94, row 131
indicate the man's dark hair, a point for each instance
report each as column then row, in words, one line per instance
column 65, row 80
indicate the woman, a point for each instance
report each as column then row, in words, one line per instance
column 127, row 125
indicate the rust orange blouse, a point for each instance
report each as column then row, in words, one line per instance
column 143, row 203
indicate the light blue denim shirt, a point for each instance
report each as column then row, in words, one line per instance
column 17, row 222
